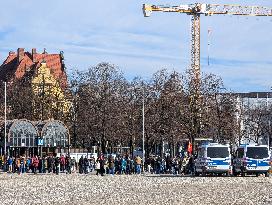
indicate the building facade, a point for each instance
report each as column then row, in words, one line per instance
column 29, row 138
column 254, row 117
column 44, row 74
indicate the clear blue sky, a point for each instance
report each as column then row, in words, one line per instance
column 115, row 31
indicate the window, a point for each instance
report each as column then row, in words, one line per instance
column 22, row 134
column 201, row 153
column 217, row 152
column 55, row 134
column 257, row 152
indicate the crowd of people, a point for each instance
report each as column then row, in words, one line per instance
column 101, row 165
column 37, row 164
column 180, row 164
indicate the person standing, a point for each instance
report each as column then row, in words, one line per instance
column 116, row 165
column 2, row 162
column 10, row 164
column 18, row 164
column 50, row 164
column 91, row 164
column 191, row 164
column 62, row 163
column 43, row 164
column 102, row 164
column 123, row 165
column 97, row 167
column 111, row 165
column 128, row 171
column 86, row 165
column 138, row 162
column 35, row 164
column 28, row 164
column 81, row 165
column 22, row 165
column 68, row 165
column 40, row 164
column 132, row 166
column 73, row 164
column 57, row 165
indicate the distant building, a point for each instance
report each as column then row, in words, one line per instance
column 44, row 75
column 42, row 72
column 260, row 103
column 23, row 65
column 255, row 98
column 30, row 138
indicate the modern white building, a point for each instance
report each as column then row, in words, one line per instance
column 254, row 117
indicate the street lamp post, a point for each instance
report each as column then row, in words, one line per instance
column 269, row 122
column 5, row 133
column 69, row 144
column 269, row 128
column 143, row 128
column 143, row 123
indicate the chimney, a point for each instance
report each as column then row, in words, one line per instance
column 44, row 51
column 34, row 55
column 20, row 55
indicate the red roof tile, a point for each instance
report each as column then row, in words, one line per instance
column 12, row 69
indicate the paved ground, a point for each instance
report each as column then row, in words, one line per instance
column 153, row 189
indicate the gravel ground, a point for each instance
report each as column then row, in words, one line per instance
column 136, row 189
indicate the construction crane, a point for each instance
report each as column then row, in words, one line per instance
column 196, row 10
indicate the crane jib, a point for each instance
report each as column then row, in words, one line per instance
column 210, row 9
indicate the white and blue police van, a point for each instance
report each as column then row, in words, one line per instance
column 213, row 158
column 251, row 159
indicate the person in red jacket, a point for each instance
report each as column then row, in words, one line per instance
column 35, row 164
column 190, row 148
column 62, row 163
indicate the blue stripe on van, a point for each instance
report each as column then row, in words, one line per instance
column 260, row 162
column 218, row 162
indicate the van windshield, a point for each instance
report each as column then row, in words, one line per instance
column 257, row 152
column 217, row 152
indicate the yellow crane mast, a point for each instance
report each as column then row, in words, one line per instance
column 196, row 10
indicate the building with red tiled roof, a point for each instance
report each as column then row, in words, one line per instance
column 23, row 64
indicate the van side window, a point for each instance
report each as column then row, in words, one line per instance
column 202, row 153
column 240, row 153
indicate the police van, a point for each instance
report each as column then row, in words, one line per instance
column 251, row 159
column 213, row 158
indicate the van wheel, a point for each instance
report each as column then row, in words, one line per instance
column 243, row 174
column 257, row 174
column 196, row 174
column 266, row 174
